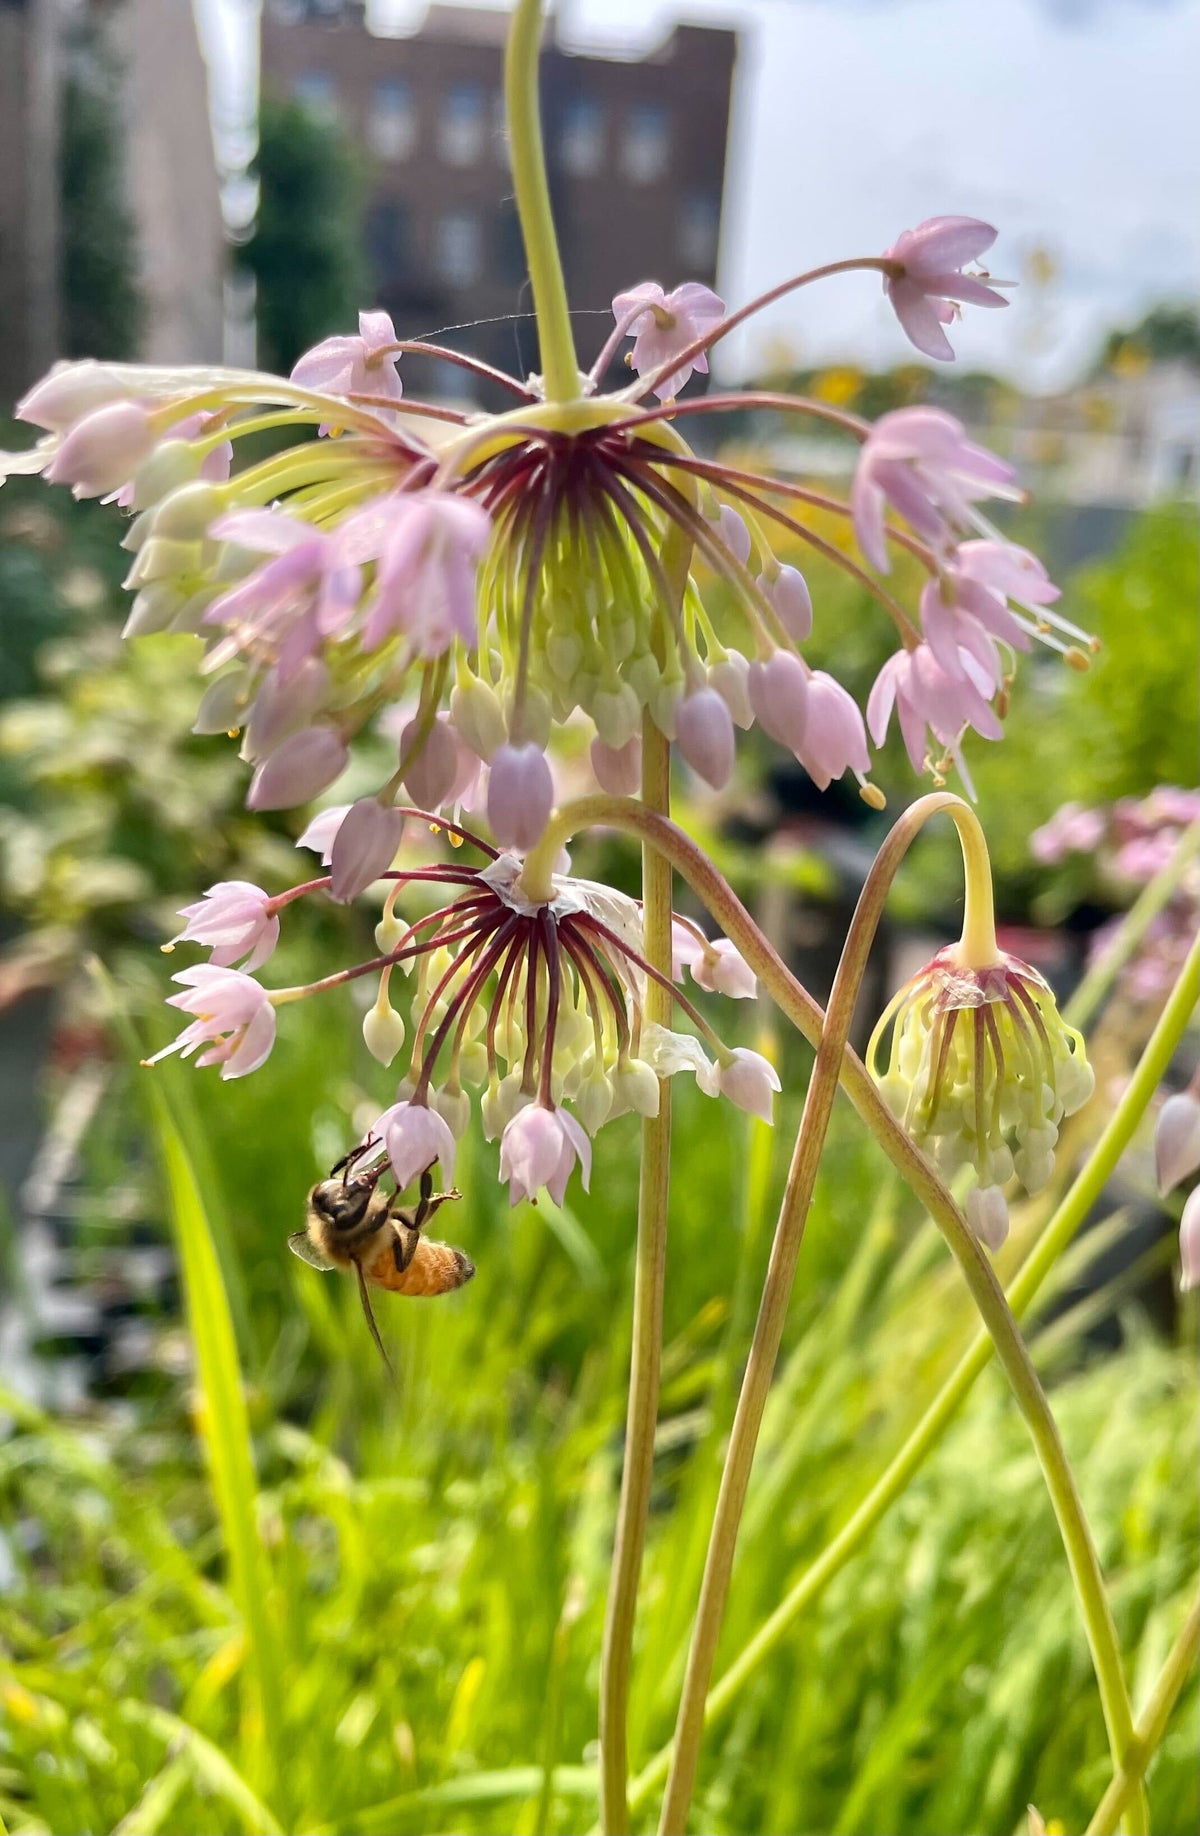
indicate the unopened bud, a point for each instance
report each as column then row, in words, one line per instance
column 704, row 734
column 478, row 716
column 520, row 796
column 779, row 697
column 383, row 1030
column 300, row 769
column 1177, row 1140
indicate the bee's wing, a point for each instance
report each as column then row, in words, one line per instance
column 300, row 1245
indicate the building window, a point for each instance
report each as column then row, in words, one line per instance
column 462, row 126
column 699, row 227
column 581, row 147
column 386, row 238
column 316, row 91
column 459, row 248
column 646, row 144
column 392, row 125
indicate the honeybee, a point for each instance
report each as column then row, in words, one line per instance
column 353, row 1224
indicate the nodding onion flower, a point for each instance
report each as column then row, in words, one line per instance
column 501, row 571
column 528, row 1006
column 981, row 1070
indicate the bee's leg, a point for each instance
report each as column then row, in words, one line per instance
column 348, row 1161
column 430, row 1200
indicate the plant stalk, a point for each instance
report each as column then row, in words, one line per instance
column 1151, row 1728
column 560, row 367
column 646, row 1361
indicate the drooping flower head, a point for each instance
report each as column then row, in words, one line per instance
column 981, row 1071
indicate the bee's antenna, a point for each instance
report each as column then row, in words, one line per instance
column 365, row 1297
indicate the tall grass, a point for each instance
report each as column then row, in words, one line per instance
column 423, row 1571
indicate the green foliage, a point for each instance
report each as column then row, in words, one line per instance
column 1165, row 333
column 436, row 1555
column 101, row 308
column 305, row 251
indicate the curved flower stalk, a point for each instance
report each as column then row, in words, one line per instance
column 535, row 1007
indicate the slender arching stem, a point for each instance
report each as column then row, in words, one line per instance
column 646, row 1358
column 559, row 364
column 804, row 1013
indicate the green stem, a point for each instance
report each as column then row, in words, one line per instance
column 1151, row 1728
column 616, row 1661
column 925, row 1436
column 776, row 1297
column 804, row 1013
column 560, row 368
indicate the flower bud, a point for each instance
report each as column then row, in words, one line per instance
column 520, row 795
column 223, row 706
column 617, row 713
column 429, row 776
column 298, row 770
column 636, row 1087
column 154, row 609
column 789, row 595
column 102, row 450
column 734, row 533
column 364, row 847
column 987, row 1214
column 383, row 1030
column 704, row 735
column 835, row 739
column 171, row 465
column 722, row 969
column 779, row 697
column 69, row 392
column 731, row 679
column 750, row 1080
column 618, row 771
column 1177, row 1140
column 478, row 716
column 454, row 1107
column 285, row 703
column 185, row 514
column 500, row 1103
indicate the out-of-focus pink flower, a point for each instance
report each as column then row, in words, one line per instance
column 920, row 461
column 704, row 735
column 101, row 451
column 663, row 324
column 779, row 697
column 931, row 258
column 1140, row 859
column 1071, row 830
column 414, row 1136
column 354, row 366
column 364, row 847
column 927, row 696
column 540, row 1147
column 750, row 1080
column 734, row 533
column 298, row 770
column 520, row 795
column 425, row 583
column 835, row 739
column 234, row 1019
column 234, row 919
column 286, row 607
column 1189, row 1241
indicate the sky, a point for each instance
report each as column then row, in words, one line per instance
column 1069, row 124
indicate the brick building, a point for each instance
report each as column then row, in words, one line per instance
column 635, row 149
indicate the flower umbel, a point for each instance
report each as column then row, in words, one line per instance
column 981, row 1070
